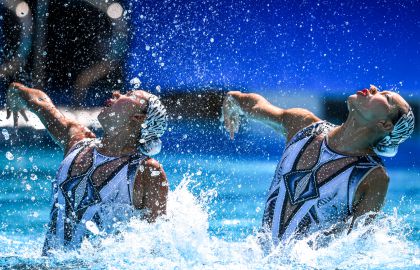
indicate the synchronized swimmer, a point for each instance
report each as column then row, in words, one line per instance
column 327, row 176
column 96, row 176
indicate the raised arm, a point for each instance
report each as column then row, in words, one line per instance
column 66, row 132
column 370, row 195
column 256, row 107
column 151, row 190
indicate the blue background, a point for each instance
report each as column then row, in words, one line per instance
column 333, row 46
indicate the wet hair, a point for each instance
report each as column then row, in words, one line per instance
column 153, row 127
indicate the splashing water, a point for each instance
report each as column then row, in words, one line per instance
column 135, row 83
column 5, row 134
column 181, row 240
column 10, row 156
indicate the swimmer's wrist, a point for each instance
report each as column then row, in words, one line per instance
column 234, row 105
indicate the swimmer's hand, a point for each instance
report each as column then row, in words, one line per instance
column 15, row 104
column 231, row 115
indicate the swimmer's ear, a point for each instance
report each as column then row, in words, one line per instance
column 385, row 125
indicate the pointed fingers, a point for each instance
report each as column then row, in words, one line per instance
column 23, row 113
column 15, row 119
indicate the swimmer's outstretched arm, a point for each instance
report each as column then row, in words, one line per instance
column 66, row 132
column 256, row 107
column 151, row 189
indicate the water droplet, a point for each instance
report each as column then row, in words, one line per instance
column 155, row 173
column 9, row 155
column 5, row 134
column 91, row 226
column 135, row 82
column 34, row 177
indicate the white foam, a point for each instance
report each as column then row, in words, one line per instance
column 181, row 240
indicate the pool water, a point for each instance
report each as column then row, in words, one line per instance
column 215, row 208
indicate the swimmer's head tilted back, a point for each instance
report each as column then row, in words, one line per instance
column 386, row 114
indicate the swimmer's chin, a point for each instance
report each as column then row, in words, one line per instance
column 350, row 103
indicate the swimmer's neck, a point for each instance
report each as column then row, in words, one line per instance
column 352, row 138
column 117, row 145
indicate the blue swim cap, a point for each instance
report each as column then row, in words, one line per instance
column 388, row 146
column 153, row 127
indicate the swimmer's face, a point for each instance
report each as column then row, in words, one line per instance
column 121, row 108
column 372, row 105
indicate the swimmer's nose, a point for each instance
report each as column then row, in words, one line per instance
column 373, row 90
column 116, row 94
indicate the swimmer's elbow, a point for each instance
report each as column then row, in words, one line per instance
column 247, row 100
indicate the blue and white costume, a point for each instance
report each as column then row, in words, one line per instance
column 77, row 200
column 302, row 201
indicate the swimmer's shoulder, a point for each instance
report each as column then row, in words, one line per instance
column 149, row 172
column 376, row 179
column 296, row 119
column 79, row 143
column 153, row 167
column 77, row 134
column 370, row 193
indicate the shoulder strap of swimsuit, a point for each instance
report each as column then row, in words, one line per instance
column 133, row 165
column 312, row 130
column 363, row 167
